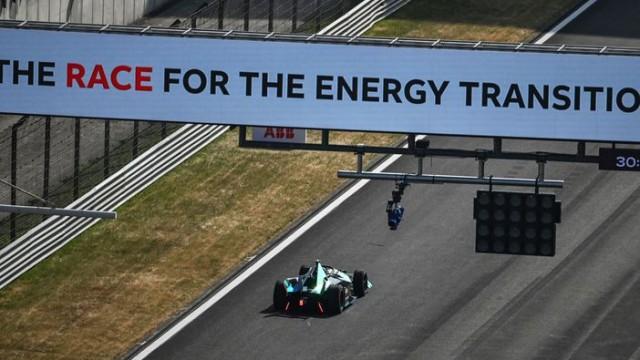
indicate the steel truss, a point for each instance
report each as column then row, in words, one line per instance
column 315, row 38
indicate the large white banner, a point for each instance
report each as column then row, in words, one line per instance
column 307, row 85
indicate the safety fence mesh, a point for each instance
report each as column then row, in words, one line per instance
column 307, row 16
column 60, row 159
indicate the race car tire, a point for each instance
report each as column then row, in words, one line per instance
column 303, row 270
column 335, row 299
column 360, row 283
column 279, row 296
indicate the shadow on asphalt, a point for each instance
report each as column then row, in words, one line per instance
column 302, row 314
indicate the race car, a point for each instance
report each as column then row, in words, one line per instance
column 323, row 288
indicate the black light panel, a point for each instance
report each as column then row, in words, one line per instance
column 516, row 223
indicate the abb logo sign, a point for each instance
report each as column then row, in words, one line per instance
column 279, row 134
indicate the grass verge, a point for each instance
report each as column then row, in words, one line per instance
column 118, row 281
column 486, row 20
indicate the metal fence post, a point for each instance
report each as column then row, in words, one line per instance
column 317, row 15
column 270, row 26
column 14, row 176
column 247, row 8
column 136, row 130
column 47, row 157
column 294, row 15
column 107, row 147
column 221, row 14
column 76, row 161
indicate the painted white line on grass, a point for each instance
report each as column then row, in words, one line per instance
column 551, row 33
column 159, row 341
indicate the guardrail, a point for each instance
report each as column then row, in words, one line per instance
column 362, row 17
column 55, row 232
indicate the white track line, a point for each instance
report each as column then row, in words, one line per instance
column 551, row 33
column 261, row 262
column 202, row 308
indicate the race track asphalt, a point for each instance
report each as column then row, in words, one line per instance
column 433, row 296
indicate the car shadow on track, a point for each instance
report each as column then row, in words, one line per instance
column 301, row 314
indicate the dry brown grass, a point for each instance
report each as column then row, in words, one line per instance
column 486, row 20
column 103, row 292
column 121, row 279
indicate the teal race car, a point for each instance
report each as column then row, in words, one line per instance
column 321, row 288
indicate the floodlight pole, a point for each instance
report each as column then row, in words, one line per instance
column 18, row 209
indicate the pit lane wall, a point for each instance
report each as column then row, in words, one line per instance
column 117, row 12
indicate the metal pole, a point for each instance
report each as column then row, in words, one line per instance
column 242, row 136
column 270, row 25
column 294, row 15
column 24, row 191
column 247, row 8
column 325, row 137
column 14, row 176
column 76, row 161
column 449, row 179
column 47, row 157
column 136, row 130
column 411, row 143
column 481, row 163
column 220, row 14
column 497, row 145
column 107, row 147
column 317, row 15
column 360, row 156
column 541, row 169
column 15, row 209
column 581, row 149
column 163, row 130
column 420, row 166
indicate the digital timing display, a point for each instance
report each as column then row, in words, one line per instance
column 619, row 159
